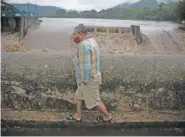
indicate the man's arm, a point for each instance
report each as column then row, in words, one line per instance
column 85, row 62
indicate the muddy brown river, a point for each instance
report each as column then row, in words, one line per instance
column 54, row 33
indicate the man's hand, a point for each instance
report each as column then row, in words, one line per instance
column 85, row 82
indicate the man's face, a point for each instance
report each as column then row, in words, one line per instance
column 77, row 37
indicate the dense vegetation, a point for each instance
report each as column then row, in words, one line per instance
column 170, row 12
column 142, row 10
column 180, row 10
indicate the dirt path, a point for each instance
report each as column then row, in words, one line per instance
column 89, row 116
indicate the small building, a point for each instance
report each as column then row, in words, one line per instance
column 10, row 18
column 14, row 20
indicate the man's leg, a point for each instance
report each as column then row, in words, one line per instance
column 92, row 99
column 77, row 115
column 78, row 98
column 103, row 111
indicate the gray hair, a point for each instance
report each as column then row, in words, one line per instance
column 81, row 29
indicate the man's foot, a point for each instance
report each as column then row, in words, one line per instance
column 107, row 119
column 101, row 119
column 75, row 117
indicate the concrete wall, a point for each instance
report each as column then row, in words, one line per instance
column 26, row 23
column 108, row 29
column 182, row 26
column 5, row 27
column 46, row 81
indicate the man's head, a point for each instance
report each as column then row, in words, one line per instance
column 79, row 33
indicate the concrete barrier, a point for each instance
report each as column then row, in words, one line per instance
column 18, row 24
column 63, row 128
column 26, row 23
column 46, row 81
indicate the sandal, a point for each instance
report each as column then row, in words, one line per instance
column 101, row 120
column 70, row 117
column 108, row 121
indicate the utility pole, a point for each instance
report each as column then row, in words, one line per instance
column 28, row 9
column 37, row 10
column 36, row 7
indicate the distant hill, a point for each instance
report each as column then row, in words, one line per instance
column 148, row 10
column 144, row 4
column 42, row 10
column 168, row 1
column 140, row 4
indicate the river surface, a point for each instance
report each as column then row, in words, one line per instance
column 146, row 26
column 54, row 33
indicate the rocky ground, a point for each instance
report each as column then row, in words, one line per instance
column 11, row 43
column 182, row 33
column 122, row 43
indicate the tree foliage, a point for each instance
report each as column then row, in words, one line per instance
column 180, row 10
column 61, row 12
column 170, row 12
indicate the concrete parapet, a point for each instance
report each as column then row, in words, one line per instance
column 26, row 23
column 108, row 29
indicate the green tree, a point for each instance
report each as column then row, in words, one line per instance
column 90, row 14
column 180, row 10
column 160, row 14
column 72, row 14
column 61, row 12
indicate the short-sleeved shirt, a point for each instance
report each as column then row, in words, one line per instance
column 87, row 61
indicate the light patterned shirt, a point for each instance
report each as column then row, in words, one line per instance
column 87, row 61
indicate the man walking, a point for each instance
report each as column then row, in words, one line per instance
column 88, row 75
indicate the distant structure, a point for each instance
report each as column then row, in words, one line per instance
column 5, row 7
column 14, row 20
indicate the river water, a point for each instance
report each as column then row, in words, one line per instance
column 145, row 25
column 54, row 33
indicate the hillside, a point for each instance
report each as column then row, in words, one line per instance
column 42, row 10
column 145, row 4
column 140, row 4
column 128, row 11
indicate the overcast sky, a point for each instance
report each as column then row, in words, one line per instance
column 75, row 4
